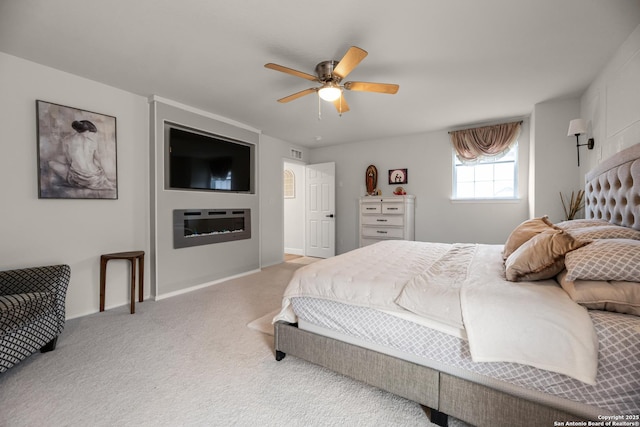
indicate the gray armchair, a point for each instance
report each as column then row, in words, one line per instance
column 32, row 311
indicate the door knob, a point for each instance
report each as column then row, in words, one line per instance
column 329, row 216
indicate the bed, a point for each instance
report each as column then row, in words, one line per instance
column 542, row 330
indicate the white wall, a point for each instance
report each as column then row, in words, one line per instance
column 611, row 104
column 428, row 158
column 294, row 212
column 76, row 232
column 272, row 153
column 556, row 164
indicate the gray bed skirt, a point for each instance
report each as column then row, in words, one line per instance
column 468, row 401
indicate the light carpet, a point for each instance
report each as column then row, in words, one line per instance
column 189, row 360
column 264, row 324
column 304, row 260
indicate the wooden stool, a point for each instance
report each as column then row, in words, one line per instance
column 132, row 257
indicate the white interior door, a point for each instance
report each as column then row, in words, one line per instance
column 320, row 212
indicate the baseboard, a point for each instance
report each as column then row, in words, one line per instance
column 204, row 285
column 294, row 251
column 107, row 308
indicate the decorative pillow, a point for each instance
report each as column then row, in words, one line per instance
column 541, row 257
column 620, row 297
column 526, row 231
column 605, row 232
column 581, row 223
column 605, row 259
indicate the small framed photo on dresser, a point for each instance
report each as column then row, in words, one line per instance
column 397, row 176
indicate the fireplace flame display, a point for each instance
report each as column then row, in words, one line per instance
column 194, row 227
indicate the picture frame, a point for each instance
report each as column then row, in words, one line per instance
column 77, row 153
column 398, row 176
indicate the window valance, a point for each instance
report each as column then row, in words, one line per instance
column 479, row 143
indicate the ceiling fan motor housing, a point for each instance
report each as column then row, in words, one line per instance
column 324, row 71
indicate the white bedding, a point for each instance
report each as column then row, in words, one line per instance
column 533, row 323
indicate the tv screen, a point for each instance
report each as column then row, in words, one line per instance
column 201, row 161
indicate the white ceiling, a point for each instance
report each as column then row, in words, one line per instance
column 457, row 62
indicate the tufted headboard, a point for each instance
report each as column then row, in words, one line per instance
column 612, row 189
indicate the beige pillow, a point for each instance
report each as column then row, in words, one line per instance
column 616, row 296
column 581, row 223
column 541, row 257
column 605, row 259
column 605, row 232
column 526, row 231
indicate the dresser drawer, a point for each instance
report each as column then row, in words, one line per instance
column 392, row 208
column 371, row 208
column 382, row 232
column 383, row 220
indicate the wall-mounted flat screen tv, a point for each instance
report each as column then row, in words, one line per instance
column 201, row 161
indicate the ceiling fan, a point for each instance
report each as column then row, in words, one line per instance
column 330, row 74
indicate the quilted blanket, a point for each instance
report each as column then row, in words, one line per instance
column 461, row 286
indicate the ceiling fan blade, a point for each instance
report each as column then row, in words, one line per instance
column 297, row 95
column 291, row 71
column 349, row 61
column 372, row 87
column 341, row 104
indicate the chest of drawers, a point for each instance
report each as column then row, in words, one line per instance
column 386, row 218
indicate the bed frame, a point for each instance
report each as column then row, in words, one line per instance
column 612, row 192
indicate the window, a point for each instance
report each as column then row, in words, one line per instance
column 490, row 178
column 289, row 180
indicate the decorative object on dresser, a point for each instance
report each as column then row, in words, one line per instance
column 386, row 218
column 399, row 191
column 371, row 179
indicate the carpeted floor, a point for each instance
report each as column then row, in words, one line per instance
column 264, row 323
column 304, row 260
column 189, row 360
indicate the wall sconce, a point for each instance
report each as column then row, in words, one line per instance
column 578, row 127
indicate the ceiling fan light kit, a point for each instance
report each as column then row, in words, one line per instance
column 330, row 74
column 330, row 92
